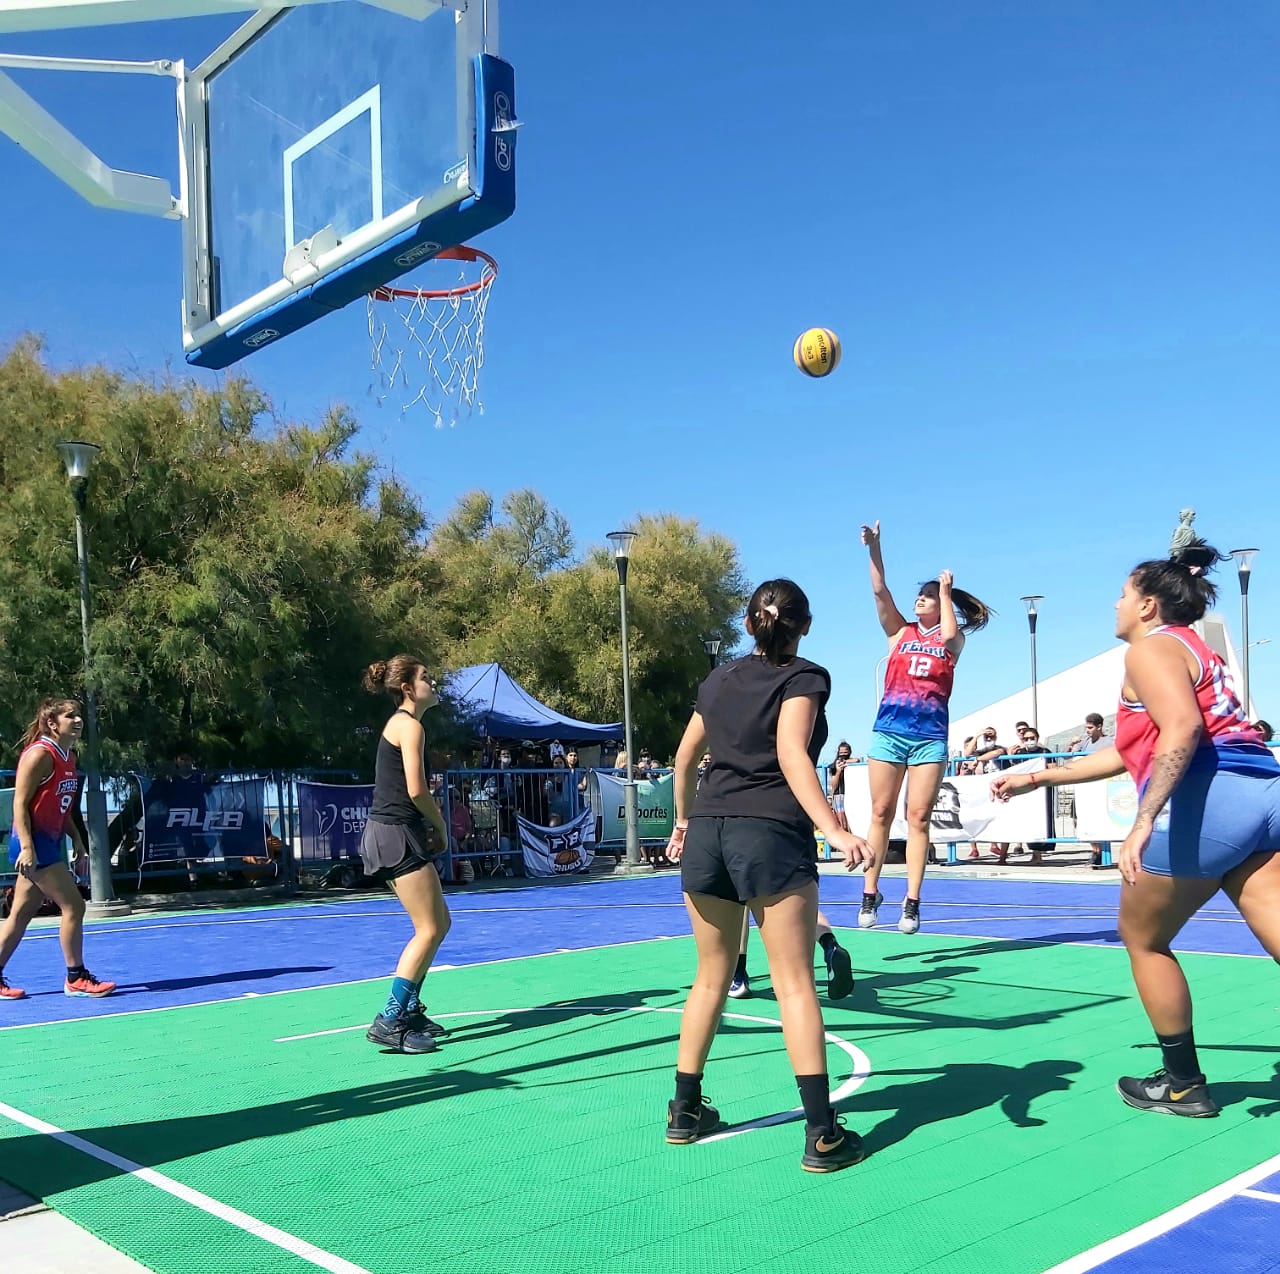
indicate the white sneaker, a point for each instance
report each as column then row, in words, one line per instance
column 909, row 921
column 869, row 910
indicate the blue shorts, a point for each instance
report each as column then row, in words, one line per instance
column 903, row 749
column 1213, row 822
column 48, row 849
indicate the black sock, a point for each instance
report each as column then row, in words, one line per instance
column 815, row 1096
column 688, row 1088
column 828, row 942
column 75, row 972
column 1180, row 1058
column 740, row 969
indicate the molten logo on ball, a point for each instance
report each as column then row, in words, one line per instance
column 817, row 351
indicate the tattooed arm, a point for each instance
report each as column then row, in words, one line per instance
column 1160, row 673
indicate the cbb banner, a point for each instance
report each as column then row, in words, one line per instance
column 655, row 805
column 1105, row 810
column 556, row 851
column 963, row 811
column 199, row 818
column 331, row 819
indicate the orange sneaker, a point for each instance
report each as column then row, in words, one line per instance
column 89, row 986
column 8, row 992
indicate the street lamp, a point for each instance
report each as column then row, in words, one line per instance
column 1244, row 568
column 622, row 542
column 1032, row 615
column 78, row 458
column 712, row 646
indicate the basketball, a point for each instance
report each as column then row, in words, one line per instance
column 817, row 351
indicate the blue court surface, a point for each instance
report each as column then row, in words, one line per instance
column 168, row 961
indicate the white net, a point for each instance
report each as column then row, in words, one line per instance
column 428, row 344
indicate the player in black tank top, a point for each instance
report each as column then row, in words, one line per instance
column 405, row 831
column 746, row 839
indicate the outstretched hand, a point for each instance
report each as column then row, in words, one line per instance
column 945, row 580
column 853, row 849
column 871, row 534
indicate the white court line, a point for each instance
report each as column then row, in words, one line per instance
column 1170, row 1220
column 326, row 986
column 1265, row 1195
column 859, row 1075
column 224, row 1212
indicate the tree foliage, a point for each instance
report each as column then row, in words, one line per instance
column 245, row 569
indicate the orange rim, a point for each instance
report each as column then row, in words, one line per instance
column 459, row 253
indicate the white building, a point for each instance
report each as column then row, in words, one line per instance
column 1065, row 698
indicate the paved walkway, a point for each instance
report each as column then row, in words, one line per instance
column 37, row 1240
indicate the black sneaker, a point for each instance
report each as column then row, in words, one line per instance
column 839, row 973
column 686, row 1123
column 1168, row 1095
column 909, row 921
column 867, row 912
column 398, row 1035
column 831, row 1148
column 419, row 1021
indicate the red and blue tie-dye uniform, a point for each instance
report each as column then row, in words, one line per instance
column 50, row 808
column 917, row 685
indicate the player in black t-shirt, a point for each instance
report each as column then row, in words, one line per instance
column 746, row 839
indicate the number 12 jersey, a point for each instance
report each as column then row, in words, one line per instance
column 917, row 685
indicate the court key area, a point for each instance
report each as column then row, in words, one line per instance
column 224, row 1110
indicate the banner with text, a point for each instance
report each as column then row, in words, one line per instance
column 202, row 819
column 1105, row 810
column 655, row 805
column 556, row 851
column 331, row 819
column 964, row 809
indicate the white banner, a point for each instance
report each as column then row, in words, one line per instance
column 964, row 809
column 557, row 851
column 1105, row 810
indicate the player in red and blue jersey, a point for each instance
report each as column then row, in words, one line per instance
column 44, row 799
column 909, row 738
column 1208, row 814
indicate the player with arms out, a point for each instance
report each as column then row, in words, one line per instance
column 1208, row 814
column 909, row 737
column 43, row 802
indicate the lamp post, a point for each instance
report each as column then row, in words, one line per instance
column 712, row 646
column 1032, row 615
column 78, row 458
column 1244, row 568
column 883, row 662
column 622, row 542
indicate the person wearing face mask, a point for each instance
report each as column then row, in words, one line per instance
column 910, row 732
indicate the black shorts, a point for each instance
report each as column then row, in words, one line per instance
column 392, row 850
column 743, row 858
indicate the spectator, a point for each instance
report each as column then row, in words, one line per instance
column 645, row 766
column 704, row 764
column 1029, row 746
column 1264, row 729
column 835, row 782
column 559, row 792
column 985, row 749
column 620, row 760
column 556, row 750
column 1093, row 740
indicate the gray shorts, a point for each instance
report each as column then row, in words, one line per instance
column 391, row 850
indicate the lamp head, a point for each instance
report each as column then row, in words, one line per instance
column 78, row 458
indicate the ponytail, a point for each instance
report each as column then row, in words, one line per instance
column 971, row 613
column 391, row 676
column 1179, row 582
column 50, row 706
column 778, row 611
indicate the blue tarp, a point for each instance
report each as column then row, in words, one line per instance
column 500, row 708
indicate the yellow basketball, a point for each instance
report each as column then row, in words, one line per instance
column 817, row 351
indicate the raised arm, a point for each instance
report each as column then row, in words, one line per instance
column 891, row 619
column 952, row 637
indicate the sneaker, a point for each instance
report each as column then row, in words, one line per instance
column 839, row 973
column 88, row 985
column 686, row 1123
column 419, row 1021
column 8, row 992
column 831, row 1148
column 740, row 987
column 909, row 921
column 1169, row 1096
column 869, row 910
column 399, row 1036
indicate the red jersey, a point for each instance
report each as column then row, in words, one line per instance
column 917, row 685
column 1224, row 720
column 51, row 807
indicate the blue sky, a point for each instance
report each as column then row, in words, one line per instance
column 1045, row 233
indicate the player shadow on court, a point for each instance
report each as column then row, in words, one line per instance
column 1002, row 947
column 954, row 1090
column 217, row 979
column 43, row 1166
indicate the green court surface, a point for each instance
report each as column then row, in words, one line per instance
column 533, row 1140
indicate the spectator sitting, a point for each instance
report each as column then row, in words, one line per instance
column 1264, row 728
column 461, row 825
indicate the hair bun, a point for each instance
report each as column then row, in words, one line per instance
column 1197, row 557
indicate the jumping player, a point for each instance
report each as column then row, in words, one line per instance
column 1208, row 814
column 746, row 839
column 43, row 801
column 404, row 832
column 910, row 732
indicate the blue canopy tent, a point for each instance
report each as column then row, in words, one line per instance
column 500, row 708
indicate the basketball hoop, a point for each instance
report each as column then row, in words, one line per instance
column 435, row 353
